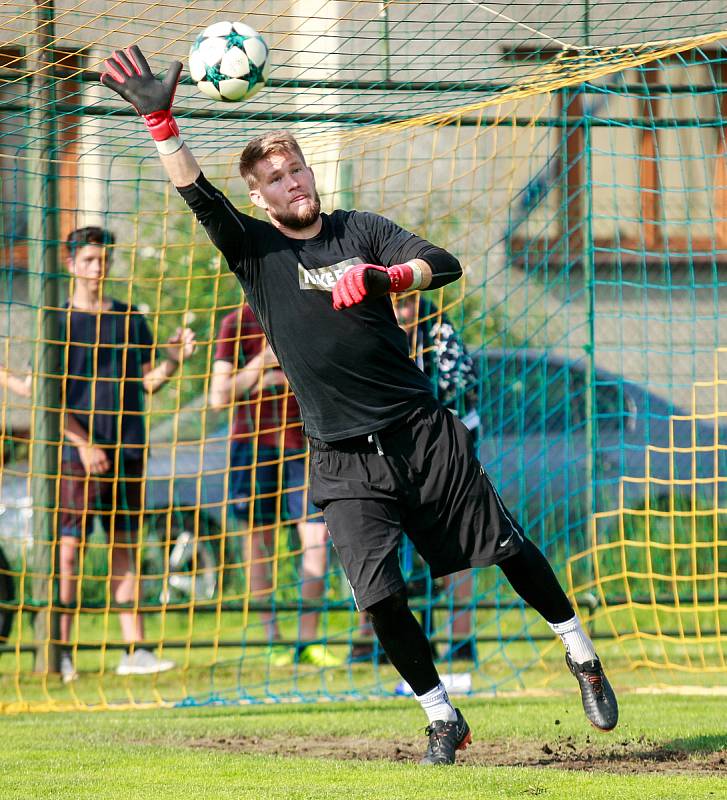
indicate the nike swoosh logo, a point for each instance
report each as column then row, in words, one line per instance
column 507, row 541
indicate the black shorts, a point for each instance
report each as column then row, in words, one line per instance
column 429, row 483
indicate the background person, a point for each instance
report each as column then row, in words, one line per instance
column 440, row 352
column 107, row 349
column 267, row 429
column 442, row 355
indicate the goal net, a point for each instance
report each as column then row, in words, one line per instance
column 571, row 155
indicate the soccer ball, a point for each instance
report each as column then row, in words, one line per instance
column 229, row 61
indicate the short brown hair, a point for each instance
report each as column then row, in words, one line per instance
column 262, row 146
column 91, row 234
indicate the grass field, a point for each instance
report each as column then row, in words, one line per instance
column 666, row 747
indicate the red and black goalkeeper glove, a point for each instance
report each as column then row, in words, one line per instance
column 128, row 74
column 369, row 280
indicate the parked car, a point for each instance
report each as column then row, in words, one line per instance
column 554, row 470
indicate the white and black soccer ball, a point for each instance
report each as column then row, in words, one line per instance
column 229, row 61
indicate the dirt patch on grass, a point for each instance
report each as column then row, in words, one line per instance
column 619, row 755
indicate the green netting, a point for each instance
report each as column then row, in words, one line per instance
column 571, row 155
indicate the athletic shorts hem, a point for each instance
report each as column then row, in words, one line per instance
column 371, row 598
column 476, row 563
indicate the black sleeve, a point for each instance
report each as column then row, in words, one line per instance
column 445, row 267
column 392, row 244
column 225, row 225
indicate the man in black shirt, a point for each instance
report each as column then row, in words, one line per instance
column 385, row 457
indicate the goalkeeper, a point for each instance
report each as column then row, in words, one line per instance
column 384, row 455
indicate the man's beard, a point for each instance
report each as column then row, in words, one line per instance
column 303, row 220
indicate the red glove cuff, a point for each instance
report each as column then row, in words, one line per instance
column 161, row 125
column 401, row 276
column 355, row 285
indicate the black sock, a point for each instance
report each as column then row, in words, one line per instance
column 532, row 577
column 404, row 642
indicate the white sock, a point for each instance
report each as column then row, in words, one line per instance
column 575, row 640
column 436, row 704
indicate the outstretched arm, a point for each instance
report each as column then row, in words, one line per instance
column 128, row 74
column 181, row 167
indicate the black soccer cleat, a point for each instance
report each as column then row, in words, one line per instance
column 445, row 738
column 599, row 701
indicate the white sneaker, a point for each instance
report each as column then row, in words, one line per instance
column 68, row 670
column 143, row 662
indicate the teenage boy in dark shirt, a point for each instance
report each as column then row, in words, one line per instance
column 267, row 429
column 385, row 457
column 106, row 348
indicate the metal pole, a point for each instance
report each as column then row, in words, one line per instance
column 43, row 266
column 590, row 371
column 590, row 288
column 386, row 43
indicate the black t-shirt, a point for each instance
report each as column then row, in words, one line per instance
column 350, row 370
column 102, row 357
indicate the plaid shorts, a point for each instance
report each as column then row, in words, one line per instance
column 115, row 498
